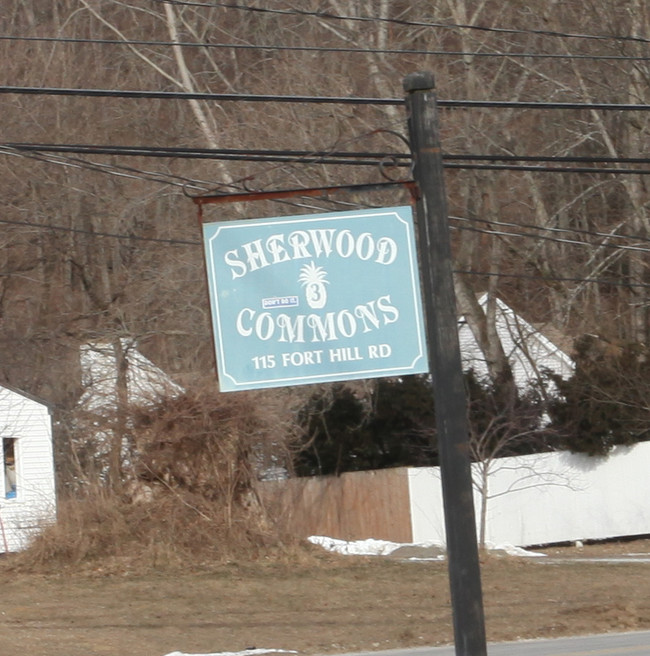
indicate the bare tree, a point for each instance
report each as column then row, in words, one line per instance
column 501, row 429
column 121, row 254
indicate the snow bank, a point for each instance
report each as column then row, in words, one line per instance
column 511, row 550
column 246, row 652
column 372, row 547
column 369, row 547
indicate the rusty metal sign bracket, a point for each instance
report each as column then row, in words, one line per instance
column 322, row 192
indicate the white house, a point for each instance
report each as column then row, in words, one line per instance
column 27, row 488
column 143, row 381
column 114, row 376
column 528, row 350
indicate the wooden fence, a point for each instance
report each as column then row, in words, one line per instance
column 353, row 506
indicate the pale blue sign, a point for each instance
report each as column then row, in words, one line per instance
column 315, row 298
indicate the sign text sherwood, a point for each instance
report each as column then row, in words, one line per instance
column 315, row 298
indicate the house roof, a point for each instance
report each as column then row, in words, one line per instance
column 145, row 382
column 27, row 395
column 528, row 350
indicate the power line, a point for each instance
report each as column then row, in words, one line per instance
column 523, row 276
column 237, row 154
column 185, row 242
column 337, row 100
column 544, row 164
column 35, row 150
column 120, row 236
column 300, row 156
column 188, row 183
column 343, row 158
column 523, row 104
column 158, row 177
column 111, row 235
column 114, row 169
column 564, row 159
column 186, row 95
column 557, row 240
column 322, row 49
column 406, row 22
column 195, row 243
column 548, row 169
column 553, row 229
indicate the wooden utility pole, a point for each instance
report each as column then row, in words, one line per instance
column 445, row 365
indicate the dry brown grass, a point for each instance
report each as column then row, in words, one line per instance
column 186, row 493
column 176, row 529
column 315, row 606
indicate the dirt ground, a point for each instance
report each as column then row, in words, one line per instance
column 325, row 605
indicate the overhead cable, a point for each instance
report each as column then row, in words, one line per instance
column 186, row 95
column 405, row 22
column 187, row 242
column 337, row 100
column 346, row 159
column 391, row 160
column 552, row 229
column 149, row 176
column 111, row 169
column 299, row 156
column 237, row 154
column 93, row 233
column 523, row 276
column 321, row 49
column 557, row 240
column 549, row 169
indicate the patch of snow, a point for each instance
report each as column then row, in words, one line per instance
column 369, row 547
column 246, row 652
column 434, row 559
column 511, row 550
column 372, row 547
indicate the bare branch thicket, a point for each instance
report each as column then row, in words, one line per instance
column 65, row 288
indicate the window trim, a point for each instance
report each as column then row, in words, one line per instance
column 9, row 448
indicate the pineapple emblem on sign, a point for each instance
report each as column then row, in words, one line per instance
column 314, row 278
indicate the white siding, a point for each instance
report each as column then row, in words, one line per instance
column 145, row 382
column 28, row 422
column 528, row 351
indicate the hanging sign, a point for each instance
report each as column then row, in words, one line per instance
column 316, row 298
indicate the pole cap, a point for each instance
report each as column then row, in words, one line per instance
column 419, row 81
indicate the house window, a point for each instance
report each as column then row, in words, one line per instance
column 9, row 456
